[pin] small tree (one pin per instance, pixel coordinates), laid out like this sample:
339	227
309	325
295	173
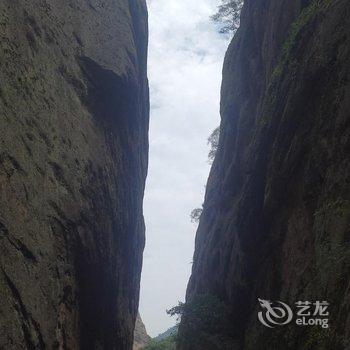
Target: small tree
204	322
196	214
204	310
213	141
228	15
168	343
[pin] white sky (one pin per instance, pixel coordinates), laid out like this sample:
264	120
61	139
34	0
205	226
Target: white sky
185	62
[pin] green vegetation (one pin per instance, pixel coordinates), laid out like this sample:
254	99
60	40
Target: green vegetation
164	344
228	15
205	309
321	339
205	321
213	142
196	214
286	60
297	26
332	253
338	207
164	341
169	332
303	19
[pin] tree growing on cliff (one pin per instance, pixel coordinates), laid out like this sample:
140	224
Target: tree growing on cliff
228	15
168	343
213	142
196	214
204	321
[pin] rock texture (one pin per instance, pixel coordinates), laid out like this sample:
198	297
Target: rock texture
73	161
276	216
141	338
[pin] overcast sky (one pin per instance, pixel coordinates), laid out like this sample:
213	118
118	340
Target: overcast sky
185	63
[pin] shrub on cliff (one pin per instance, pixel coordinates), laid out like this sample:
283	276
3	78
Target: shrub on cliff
204	321
228	15
196	214
164	344
213	142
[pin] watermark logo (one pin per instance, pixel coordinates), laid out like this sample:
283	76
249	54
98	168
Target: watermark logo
274	314
307	313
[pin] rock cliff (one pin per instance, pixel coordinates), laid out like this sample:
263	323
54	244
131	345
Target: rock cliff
276	215
73	160
141	338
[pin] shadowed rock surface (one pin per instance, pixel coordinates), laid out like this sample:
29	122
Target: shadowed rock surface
73	160
141	338
276	215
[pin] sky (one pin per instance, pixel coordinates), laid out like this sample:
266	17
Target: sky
185	62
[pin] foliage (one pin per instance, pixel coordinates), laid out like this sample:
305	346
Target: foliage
196	214
324	339
213	141
204	321
206	310
303	19
228	15
287	61
168	343
168	333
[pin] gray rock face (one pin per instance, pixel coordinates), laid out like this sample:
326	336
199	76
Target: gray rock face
141	338
73	159
276	216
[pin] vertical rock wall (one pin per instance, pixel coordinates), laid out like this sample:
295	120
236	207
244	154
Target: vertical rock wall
277	209
73	160
141	338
